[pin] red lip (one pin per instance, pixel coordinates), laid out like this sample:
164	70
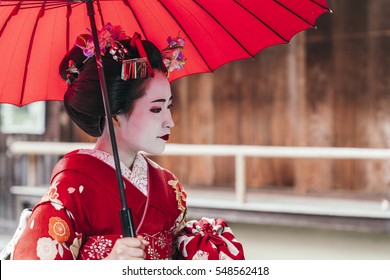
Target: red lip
165	137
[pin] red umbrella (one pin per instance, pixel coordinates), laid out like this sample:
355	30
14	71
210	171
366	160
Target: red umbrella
35	35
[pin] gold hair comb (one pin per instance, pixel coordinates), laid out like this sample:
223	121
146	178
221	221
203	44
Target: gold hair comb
134	68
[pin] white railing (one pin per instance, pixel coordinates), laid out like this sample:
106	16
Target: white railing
239	152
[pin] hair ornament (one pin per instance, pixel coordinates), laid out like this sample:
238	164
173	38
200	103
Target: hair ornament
118	51
136	42
173	57
109	37
134	68
73	72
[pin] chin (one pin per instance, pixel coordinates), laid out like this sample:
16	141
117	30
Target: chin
156	150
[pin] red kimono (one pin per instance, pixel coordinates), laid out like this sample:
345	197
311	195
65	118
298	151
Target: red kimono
78	218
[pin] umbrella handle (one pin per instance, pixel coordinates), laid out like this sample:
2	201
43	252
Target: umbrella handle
125	213
127	224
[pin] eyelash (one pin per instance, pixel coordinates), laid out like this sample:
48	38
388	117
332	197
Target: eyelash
155	110
158	110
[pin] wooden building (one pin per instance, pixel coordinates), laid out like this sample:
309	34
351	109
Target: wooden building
328	87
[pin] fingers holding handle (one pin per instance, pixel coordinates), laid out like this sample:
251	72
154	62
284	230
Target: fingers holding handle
129	248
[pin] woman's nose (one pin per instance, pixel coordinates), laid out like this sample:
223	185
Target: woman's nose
168	121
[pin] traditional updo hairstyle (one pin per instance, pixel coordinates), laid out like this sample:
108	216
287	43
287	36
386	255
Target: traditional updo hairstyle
83	100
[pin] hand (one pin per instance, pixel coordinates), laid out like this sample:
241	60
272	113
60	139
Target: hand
128	248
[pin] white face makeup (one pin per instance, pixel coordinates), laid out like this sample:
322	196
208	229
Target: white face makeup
150	122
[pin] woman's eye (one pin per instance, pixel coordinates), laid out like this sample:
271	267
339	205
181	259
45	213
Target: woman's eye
170	106
155	110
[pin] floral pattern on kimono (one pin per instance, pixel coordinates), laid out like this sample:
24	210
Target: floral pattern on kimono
78	217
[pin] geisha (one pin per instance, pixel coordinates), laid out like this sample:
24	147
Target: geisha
78	217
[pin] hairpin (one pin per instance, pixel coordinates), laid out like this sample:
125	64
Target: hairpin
135	68
118	51
73	72
136	42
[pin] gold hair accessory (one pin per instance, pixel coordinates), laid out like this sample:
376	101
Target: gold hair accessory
134	68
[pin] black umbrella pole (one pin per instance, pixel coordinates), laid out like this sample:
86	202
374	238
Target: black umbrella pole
128	229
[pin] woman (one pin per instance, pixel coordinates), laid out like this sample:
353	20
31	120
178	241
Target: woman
79	218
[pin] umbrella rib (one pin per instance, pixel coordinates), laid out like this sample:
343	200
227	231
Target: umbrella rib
100	12
69	7
187	36
227	31
126	3
322	6
27	5
36	5
55	6
295	14
39	16
68	14
13	13
265	24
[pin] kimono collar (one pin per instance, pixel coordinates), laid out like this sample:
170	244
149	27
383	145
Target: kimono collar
138	176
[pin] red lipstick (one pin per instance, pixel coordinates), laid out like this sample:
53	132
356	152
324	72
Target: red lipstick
165	137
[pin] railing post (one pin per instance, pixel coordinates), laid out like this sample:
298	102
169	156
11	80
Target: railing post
240	187
32	170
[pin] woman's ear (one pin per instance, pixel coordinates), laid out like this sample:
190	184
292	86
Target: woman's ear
115	121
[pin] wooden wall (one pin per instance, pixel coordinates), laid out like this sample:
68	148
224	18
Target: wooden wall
328	87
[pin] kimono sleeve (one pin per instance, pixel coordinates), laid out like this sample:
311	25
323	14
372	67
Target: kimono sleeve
49	235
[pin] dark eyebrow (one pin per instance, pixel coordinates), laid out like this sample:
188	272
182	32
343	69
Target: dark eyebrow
162	100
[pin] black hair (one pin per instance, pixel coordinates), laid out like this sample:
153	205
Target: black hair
83	99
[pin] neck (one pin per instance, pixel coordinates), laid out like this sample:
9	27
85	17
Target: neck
103	143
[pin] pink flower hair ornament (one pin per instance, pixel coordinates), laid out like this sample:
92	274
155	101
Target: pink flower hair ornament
109	37
173	57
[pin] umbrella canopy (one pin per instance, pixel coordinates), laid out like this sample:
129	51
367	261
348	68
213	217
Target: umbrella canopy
34	35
